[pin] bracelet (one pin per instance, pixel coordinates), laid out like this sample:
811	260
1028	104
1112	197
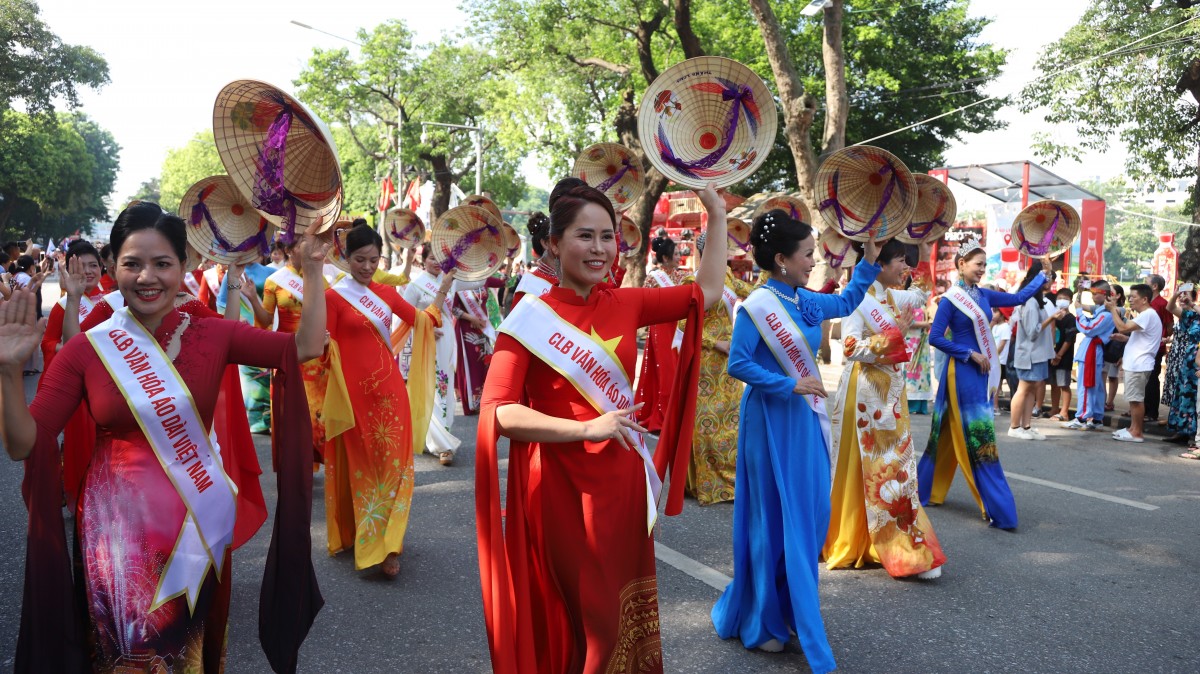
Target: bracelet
234	286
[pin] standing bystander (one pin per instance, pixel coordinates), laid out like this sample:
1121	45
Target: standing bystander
1145	337
1154	383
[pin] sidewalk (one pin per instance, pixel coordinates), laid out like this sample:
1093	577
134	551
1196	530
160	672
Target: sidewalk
831	375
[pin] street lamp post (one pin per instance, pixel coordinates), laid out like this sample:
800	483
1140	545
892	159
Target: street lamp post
478	148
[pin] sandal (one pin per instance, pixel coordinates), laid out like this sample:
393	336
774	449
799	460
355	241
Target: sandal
1057	417
446	458
1193	453
390	566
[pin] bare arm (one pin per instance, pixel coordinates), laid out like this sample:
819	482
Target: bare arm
711	274
310	336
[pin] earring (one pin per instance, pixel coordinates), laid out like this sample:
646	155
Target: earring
783	270
558	267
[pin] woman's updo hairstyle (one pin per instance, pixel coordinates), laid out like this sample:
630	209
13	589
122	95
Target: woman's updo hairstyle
566	203
664	247
426	251
141	215
539	232
775	232
888	250
361	236
80	247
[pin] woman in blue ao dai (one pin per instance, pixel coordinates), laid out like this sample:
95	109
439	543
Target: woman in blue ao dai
963	431
781	502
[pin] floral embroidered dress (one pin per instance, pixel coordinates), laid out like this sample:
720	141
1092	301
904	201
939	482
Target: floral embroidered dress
781	509
713	466
368	431
439	438
279	299
658	366
964	431
130	516
1180	390
918	372
876	515
474	347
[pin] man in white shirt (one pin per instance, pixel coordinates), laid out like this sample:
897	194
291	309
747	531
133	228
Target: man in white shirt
1145	335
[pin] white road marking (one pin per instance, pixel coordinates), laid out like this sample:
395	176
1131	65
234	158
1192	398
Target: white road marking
1082	492
705	574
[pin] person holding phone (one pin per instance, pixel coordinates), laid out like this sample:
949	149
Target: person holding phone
1066	332
1179	391
1145	335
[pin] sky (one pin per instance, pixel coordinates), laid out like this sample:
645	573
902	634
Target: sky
168	60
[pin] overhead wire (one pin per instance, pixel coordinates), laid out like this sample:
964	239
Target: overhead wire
1054	73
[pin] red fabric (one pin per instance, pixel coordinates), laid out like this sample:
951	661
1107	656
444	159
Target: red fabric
233	435
51	638
107	283
657	378
1089	361
560	566
1168	321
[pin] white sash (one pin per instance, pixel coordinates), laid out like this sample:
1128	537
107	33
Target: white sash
790	348
212	279
368	304
532	284
592	370
85	306
731	300
471	302
193	286
290	281
876	315
115	300
166	412
983	333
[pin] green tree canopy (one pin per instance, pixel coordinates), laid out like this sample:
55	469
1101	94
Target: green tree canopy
395	85
36	67
149	190
56	178
185	165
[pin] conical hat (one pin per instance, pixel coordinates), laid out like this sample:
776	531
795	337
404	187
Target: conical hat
194	259
934	213
739	237
222	225
484	203
403	228
279	154
469	239
612	169
864	189
837	250
630	236
1045	228
793	206
707	119
337	233
512	240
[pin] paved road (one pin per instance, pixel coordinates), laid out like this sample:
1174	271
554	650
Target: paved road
1087	584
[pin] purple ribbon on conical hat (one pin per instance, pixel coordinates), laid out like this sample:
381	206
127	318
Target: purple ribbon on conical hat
616	177
1042	247
835	260
412	224
460	246
742	97
200	212
892	183
270	195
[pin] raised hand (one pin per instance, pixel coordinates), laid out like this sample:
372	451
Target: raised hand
711	199
20	331
70	276
871	248
926	250
618	425
312	250
447	281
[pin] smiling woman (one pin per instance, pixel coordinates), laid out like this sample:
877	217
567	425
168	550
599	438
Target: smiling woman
569	582
159	508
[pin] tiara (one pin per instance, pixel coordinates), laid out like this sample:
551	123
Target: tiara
969	245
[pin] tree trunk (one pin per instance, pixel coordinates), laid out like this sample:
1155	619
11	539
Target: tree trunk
643	209
1189	259
837	103
798	106
443	178
683	28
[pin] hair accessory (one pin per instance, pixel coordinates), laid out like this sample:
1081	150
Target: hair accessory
968	246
